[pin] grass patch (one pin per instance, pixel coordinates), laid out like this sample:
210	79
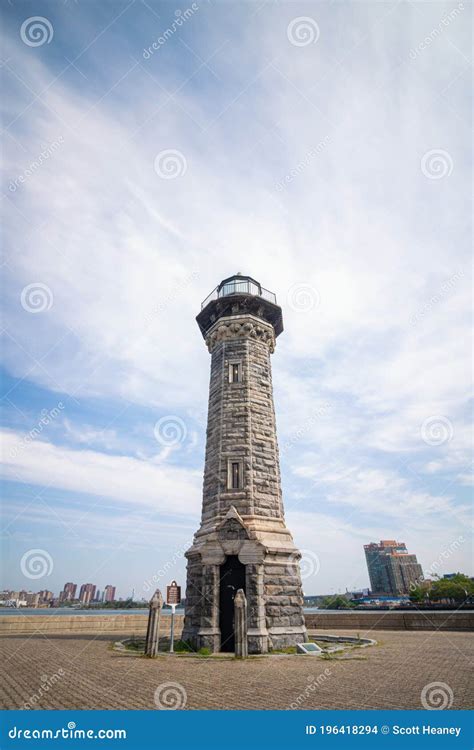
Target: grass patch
135	646
183	647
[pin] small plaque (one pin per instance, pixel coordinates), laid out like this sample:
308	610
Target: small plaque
310	649
173	593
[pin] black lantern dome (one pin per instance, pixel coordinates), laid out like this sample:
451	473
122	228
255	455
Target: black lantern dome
236	295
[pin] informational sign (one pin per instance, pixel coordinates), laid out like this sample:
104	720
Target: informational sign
173	593
173	597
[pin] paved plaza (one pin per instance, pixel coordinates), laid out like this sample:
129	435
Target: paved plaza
85	673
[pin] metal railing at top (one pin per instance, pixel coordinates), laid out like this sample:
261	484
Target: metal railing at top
239	287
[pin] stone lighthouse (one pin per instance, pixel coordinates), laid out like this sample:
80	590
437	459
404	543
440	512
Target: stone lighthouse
243	541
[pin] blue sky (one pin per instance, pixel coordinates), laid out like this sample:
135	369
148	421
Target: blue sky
322	148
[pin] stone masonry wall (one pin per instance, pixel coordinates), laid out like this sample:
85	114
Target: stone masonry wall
283	596
193	596
241	426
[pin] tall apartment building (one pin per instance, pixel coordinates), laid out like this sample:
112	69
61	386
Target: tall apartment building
28	598
109	593
391	568
32	599
87	593
45	595
68	594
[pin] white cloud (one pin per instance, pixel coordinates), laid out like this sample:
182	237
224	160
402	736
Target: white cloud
88	435
385	492
165	488
115	240
129	256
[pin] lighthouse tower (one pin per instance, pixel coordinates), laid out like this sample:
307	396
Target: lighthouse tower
243	541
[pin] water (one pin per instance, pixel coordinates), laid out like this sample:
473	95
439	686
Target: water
14	611
111	612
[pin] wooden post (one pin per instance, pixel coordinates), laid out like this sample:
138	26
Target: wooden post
153	628
240	625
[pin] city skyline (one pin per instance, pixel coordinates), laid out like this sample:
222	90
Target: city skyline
69	590
438	569
316	177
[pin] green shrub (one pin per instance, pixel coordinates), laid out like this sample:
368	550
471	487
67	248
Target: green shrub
182	647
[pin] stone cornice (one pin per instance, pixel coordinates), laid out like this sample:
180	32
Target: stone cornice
241	327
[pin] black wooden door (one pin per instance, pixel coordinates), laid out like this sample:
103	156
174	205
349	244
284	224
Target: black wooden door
232	578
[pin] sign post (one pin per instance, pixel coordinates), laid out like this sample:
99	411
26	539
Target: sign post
173	597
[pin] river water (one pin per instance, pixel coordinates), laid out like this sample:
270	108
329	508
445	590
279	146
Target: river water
50	611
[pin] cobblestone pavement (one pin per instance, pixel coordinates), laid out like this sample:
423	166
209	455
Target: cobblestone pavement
84	673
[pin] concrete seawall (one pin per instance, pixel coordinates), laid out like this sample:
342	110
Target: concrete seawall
75	625
111	625
390	620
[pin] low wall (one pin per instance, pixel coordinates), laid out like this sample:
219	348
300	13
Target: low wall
390	620
110	625
84	624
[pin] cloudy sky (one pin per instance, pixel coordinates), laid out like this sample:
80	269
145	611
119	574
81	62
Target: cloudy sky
152	149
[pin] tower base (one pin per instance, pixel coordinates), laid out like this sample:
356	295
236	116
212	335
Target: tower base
265	563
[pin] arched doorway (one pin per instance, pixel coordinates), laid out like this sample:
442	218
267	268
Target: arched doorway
232	578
